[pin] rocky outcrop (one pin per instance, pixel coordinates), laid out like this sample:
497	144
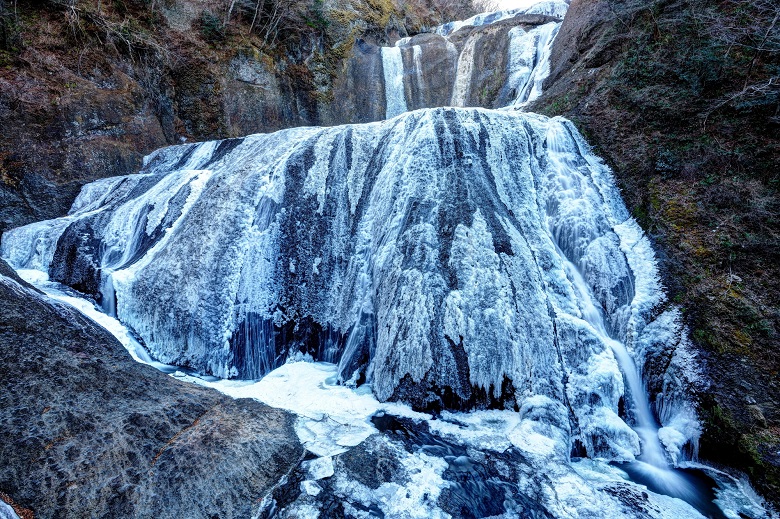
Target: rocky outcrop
88	432
690	126
472	60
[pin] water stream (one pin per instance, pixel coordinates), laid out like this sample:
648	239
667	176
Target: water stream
393	67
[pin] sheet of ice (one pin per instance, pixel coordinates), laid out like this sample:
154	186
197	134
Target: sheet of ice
332	417
319	468
311	488
6	512
40	280
417	498
529	61
734	496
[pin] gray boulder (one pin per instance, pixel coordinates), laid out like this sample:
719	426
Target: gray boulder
88	432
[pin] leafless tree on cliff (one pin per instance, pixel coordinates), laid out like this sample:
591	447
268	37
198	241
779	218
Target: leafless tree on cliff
273	14
750	29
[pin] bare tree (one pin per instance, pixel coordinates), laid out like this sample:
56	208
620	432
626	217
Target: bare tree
229	13
752	27
273	14
748	32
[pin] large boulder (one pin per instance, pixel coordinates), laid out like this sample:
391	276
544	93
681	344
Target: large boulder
88	432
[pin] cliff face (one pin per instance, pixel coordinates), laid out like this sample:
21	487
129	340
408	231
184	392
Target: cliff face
681	98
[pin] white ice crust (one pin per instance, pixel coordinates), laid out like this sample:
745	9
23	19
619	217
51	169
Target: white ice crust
518	252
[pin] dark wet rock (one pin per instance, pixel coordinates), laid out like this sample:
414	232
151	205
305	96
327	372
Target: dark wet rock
359	92
480	483
372	463
87	432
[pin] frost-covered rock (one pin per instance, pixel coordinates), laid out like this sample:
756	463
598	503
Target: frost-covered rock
552	8
6	512
430	70
436	255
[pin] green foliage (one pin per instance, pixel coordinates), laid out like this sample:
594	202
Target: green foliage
705	338
559	106
316	19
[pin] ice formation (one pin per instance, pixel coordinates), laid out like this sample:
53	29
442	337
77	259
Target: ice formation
393	67
450	257
439	69
529	61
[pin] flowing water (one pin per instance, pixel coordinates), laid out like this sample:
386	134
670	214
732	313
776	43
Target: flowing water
393	66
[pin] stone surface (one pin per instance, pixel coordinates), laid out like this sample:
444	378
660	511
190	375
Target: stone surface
88	432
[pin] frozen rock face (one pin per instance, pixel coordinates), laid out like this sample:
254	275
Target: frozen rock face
554	8
453	258
493	65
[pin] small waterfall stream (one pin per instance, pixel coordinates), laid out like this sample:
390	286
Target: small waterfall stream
652	462
393	66
652	466
465	70
529	61
448	61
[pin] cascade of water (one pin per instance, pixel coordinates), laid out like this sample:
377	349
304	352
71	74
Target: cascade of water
575	246
553	8
418	67
462	88
529	61
393	67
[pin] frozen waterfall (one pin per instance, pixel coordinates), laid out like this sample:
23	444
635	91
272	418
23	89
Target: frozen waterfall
447	67
430	255
450	259
393	67
529	61
553	8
